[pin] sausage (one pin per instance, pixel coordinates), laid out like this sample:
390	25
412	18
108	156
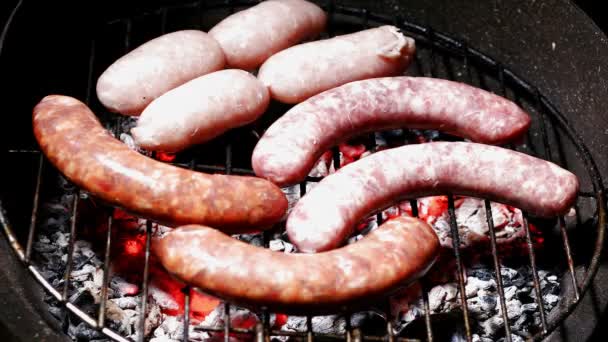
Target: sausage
74	141
295	74
200	110
391	256
290	147
249	37
325	217
134	80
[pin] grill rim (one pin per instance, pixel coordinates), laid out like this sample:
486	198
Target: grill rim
366	15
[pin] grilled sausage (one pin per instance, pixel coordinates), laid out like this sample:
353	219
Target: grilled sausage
161	64
201	110
393	255
73	140
291	146
249	37
323	218
302	71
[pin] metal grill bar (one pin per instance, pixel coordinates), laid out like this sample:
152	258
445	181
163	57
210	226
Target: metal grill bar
427	310
535	278
144	296
68	266
106	275
186	291
564	234
90	72
496	259
33	220
226	322
459	267
309	333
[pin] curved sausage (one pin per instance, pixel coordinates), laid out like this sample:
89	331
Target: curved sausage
389	257
295	74
161	64
291	146
200	110
325	217
73	140
249	37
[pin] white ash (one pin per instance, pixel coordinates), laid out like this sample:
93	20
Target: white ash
470	219
293	194
163	299
473	227
86	277
281	246
483	300
331	324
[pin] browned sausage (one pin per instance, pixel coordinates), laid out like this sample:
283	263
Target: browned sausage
73	140
326	216
393	255
292	145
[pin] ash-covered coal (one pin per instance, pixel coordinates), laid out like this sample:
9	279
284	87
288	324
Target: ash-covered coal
483	301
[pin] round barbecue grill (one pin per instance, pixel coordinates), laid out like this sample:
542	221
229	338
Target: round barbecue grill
439	54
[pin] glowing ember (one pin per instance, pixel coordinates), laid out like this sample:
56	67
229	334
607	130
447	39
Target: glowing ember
350	153
200	305
133	247
280	320
165	157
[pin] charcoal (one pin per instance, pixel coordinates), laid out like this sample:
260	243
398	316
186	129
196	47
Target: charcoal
550	300
475	284
162	298
333	324
481	273
122	287
126	302
524	296
530	307
492	325
57	312
477	338
480	308
281	246
551	288
83	332
253	239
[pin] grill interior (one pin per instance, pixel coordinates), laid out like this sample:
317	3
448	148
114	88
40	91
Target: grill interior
438	55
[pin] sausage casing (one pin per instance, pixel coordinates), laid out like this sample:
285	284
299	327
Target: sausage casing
200	110
396	253
137	78
326	216
304	70
291	146
73	140
250	36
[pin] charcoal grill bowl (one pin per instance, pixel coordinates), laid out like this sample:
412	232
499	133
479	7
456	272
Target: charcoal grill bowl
59	45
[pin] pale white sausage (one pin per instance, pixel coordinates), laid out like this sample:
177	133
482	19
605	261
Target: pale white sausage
249	37
159	65
295	74
200	110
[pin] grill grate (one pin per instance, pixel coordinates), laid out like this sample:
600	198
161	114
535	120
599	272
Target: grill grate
435	45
